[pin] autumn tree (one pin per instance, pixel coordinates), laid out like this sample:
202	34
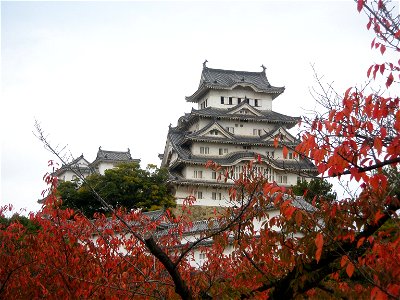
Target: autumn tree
268	244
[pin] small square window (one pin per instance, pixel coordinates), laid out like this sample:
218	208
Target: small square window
222	100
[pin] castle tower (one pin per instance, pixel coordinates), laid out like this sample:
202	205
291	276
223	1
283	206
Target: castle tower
233	123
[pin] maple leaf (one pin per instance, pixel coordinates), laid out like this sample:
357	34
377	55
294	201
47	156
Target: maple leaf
389	80
360	5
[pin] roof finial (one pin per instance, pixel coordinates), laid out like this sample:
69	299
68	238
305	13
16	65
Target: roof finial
99	147
204	64
129	150
263	67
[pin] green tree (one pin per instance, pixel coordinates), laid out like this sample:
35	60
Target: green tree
316	188
126	186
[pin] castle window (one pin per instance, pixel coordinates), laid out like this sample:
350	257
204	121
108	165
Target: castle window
230	100
236	125
222	100
270	154
256	102
247	147
257	132
216	196
214	132
282	179
202	256
214	175
199	195
222	151
204	150
290	155
239	100
230	129
198	174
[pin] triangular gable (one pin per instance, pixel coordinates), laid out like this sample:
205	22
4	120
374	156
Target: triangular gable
216	130
245	109
81	162
285	136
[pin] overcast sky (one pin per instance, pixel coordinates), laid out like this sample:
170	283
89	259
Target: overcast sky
116	74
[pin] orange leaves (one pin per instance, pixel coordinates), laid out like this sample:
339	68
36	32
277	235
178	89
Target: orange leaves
285	152
319	242
350	269
360	242
377	294
349	265
378	145
298	217
378	216
276	141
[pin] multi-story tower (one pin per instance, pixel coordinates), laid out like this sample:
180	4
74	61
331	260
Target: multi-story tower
234	123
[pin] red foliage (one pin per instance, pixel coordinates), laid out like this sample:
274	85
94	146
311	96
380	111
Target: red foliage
266	243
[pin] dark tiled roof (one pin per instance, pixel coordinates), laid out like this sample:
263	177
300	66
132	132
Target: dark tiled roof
177	138
265	116
268	116
75	166
229	79
265	139
113	156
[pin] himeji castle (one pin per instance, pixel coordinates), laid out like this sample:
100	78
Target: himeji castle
234	122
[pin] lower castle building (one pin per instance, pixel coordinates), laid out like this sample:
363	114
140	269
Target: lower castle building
105	160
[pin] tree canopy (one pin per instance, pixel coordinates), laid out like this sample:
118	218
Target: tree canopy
126	186
314	190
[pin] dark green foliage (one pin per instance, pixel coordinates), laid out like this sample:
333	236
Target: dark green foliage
31	226
393	176
127	186
315	188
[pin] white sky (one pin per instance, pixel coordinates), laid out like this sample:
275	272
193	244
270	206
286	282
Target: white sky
115	74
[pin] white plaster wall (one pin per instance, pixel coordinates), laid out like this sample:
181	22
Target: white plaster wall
105	166
197	262
214	98
183	192
246	128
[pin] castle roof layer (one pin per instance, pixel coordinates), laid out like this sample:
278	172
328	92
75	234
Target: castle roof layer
178	138
113	156
230	79
79	164
234	113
